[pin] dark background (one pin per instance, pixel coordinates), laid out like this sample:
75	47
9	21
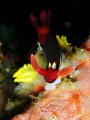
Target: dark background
16	30
17	14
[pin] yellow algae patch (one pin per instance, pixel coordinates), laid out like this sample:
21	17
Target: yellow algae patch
62	41
25	74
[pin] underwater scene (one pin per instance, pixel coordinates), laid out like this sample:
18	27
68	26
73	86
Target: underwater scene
47	76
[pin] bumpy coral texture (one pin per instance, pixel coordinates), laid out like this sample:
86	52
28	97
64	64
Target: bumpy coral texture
64	103
58	104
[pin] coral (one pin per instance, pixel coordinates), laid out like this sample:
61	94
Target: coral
59	103
83	78
70	99
31	81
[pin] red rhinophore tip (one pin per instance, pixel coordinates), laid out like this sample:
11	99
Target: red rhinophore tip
34	20
49	17
45	19
66	71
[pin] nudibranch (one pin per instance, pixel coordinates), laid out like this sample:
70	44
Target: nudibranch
50	49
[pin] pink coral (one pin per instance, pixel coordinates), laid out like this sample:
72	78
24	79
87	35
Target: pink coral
63	104
59	104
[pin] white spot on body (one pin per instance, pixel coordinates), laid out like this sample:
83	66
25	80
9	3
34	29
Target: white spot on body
54	65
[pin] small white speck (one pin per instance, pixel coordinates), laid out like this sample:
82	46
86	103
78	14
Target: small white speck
82	49
17	88
50	86
54	65
7	69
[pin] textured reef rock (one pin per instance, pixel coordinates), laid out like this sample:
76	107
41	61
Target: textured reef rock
70	100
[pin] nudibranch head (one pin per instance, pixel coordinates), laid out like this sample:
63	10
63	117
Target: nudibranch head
51	74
